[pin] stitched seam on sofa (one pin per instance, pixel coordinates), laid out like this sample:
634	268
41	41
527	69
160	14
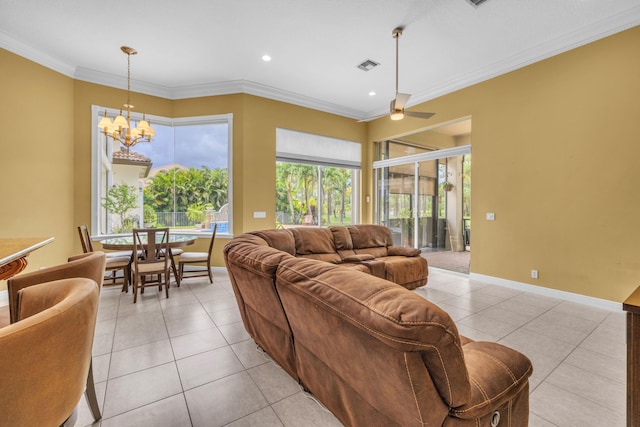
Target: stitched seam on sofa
499	362
482	391
383	290
444	369
413	390
507	390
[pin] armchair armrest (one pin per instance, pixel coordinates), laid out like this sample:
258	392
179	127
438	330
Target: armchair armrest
496	374
400	251
358	258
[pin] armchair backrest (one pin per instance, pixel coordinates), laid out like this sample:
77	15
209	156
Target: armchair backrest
46	354
90	266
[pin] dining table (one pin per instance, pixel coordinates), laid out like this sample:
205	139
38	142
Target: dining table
124	243
14	253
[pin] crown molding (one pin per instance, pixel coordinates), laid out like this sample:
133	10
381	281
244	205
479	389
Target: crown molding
607	27
24	50
215	89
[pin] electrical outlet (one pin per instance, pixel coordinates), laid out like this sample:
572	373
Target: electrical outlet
534	274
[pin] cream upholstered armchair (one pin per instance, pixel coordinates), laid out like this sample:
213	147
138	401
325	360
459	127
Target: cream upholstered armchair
90	266
45	356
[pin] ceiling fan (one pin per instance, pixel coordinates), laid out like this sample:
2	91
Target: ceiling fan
396	110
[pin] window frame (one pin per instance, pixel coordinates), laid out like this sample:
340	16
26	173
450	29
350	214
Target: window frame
101	156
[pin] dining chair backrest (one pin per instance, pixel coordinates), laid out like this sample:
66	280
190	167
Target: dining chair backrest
213	237
85	239
152	244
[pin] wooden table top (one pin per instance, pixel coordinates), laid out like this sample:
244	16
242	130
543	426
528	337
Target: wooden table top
632	303
13	248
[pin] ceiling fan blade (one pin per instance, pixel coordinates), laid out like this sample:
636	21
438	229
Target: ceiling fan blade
419	114
401	100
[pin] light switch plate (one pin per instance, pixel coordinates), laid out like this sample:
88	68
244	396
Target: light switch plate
491	216
259	214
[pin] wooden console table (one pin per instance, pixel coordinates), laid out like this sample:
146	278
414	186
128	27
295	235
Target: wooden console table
632	306
14	252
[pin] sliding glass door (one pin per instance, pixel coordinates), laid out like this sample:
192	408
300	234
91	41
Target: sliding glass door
420	198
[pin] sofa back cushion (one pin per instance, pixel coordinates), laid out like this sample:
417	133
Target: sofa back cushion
315	243
370	239
278	239
398	323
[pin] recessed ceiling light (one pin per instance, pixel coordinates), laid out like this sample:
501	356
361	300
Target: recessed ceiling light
372	93
266	58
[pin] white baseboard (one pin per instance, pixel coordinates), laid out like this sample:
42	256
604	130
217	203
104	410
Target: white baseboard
553	293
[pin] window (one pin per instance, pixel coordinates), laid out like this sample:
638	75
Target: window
179	180
316	179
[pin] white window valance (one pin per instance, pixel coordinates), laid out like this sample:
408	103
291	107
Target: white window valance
301	147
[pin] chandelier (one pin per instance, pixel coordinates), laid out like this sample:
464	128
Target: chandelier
120	129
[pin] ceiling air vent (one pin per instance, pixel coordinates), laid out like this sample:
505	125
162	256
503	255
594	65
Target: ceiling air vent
476	3
368	65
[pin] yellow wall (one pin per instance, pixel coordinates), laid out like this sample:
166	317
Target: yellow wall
543	160
36	157
556	150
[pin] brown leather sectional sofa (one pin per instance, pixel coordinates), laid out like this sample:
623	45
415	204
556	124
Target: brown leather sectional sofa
367	248
374	353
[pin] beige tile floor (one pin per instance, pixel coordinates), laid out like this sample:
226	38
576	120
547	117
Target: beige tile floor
187	360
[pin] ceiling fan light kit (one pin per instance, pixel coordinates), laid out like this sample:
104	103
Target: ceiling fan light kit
396	107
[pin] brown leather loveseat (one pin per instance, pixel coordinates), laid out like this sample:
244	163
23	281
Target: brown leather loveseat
366	247
374	353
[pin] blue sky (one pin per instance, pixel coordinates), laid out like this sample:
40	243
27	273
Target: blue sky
195	146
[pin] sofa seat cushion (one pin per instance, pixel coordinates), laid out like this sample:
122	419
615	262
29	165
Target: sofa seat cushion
497	375
410	272
355	267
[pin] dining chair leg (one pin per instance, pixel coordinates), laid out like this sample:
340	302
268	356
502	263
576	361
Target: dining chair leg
135	290
174	269
90	394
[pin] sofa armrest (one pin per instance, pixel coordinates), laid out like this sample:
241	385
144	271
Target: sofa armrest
400	251
496	374
358	258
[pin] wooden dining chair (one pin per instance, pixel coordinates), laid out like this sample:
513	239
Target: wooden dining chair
116	261
198	258
151	268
